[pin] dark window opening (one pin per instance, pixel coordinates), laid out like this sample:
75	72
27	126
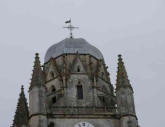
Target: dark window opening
79	92
102	74
52	75
51	124
78	68
53	89
53	100
103	100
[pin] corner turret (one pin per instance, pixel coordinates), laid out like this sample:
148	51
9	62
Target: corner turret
37	75
124	97
37	97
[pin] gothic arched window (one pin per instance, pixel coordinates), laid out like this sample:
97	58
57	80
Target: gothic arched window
52	74
54	100
53	89
78	68
102	98
102	74
79	91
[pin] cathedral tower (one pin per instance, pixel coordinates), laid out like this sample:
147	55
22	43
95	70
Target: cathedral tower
73	89
78	84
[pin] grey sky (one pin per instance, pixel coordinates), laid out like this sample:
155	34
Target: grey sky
134	28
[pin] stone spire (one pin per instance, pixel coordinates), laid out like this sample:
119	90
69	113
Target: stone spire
122	77
22	113
124	97
37	75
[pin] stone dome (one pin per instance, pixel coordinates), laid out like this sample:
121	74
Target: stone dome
72	46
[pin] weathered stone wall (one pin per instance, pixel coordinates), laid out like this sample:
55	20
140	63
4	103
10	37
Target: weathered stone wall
128	121
125	101
65	67
34	101
99	101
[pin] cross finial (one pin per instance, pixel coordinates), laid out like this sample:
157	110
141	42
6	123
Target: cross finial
70	27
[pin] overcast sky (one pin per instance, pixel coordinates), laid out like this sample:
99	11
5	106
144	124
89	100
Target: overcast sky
134	28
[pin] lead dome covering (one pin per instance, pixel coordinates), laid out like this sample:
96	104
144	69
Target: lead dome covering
72	46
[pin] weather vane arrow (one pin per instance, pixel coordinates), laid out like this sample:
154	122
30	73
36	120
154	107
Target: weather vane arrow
70	27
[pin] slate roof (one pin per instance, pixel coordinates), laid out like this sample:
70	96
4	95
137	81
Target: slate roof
71	46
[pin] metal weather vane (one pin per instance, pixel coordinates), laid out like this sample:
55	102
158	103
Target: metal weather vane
70	27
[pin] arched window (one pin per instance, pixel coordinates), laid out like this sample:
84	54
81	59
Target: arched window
78	68
54	100
52	74
53	89
103	99
79	91
51	124
102	74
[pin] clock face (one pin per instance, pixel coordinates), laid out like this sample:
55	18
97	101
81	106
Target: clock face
83	124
